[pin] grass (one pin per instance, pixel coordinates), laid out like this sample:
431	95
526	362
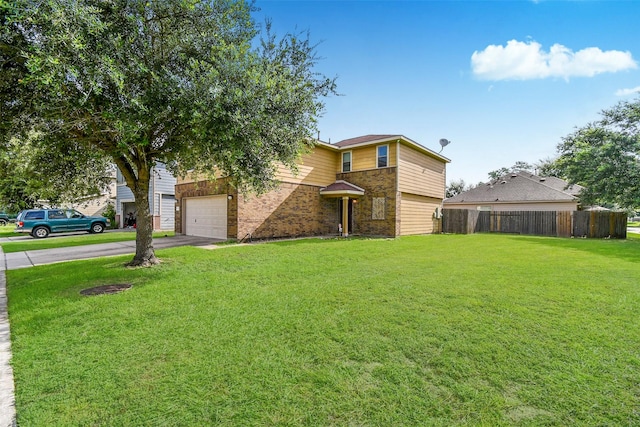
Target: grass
633	224
61	241
431	330
7	230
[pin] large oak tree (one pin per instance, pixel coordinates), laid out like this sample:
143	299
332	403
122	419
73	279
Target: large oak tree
604	157
197	85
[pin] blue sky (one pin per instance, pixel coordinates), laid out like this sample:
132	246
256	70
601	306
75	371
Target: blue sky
503	80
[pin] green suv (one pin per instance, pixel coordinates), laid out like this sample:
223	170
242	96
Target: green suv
41	222
4	219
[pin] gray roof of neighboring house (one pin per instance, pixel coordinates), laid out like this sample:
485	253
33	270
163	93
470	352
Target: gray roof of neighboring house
520	187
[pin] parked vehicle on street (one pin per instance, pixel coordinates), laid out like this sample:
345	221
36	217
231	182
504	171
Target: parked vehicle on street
39	223
4	219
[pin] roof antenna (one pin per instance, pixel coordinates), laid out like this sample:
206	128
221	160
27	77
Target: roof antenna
443	143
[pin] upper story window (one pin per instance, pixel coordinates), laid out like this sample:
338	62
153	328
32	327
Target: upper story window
346	161
383	156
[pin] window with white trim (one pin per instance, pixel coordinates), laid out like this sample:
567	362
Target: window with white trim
383	156
346	161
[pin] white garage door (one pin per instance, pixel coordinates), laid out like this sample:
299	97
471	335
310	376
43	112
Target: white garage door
206	217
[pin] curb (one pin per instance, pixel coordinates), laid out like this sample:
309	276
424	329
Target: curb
7	391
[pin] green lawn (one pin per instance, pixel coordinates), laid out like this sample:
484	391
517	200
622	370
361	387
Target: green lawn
422	331
7	230
61	241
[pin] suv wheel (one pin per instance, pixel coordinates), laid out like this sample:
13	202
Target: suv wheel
40	232
97	228
3	222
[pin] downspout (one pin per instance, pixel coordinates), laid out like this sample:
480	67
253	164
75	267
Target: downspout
153	194
160	207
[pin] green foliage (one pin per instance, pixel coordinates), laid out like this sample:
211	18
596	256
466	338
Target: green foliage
31	171
518	166
548	167
604	157
110	213
456	187
421	331
179	82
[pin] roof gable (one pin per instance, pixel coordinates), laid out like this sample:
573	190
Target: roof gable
387	138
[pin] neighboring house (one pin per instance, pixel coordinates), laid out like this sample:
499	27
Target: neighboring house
161	199
521	191
375	185
96	205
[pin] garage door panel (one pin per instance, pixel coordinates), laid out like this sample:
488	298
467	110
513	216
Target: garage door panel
206	217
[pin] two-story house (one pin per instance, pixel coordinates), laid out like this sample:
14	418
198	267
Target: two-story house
375	185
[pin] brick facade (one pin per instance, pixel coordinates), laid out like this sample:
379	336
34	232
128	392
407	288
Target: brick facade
292	210
299	210
377	183
203	189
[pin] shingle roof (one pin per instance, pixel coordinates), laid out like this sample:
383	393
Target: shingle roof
519	187
365	138
558	184
341	186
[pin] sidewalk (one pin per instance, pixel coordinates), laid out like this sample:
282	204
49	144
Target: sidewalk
26	259
12	261
7	401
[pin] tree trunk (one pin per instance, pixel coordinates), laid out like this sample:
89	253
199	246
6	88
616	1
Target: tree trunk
145	254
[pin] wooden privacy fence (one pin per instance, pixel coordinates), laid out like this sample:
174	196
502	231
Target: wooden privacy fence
539	223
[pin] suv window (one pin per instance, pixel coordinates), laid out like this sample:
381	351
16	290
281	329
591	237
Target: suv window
57	215
74	214
34	215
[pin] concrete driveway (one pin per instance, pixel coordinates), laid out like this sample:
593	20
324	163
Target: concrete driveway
15	260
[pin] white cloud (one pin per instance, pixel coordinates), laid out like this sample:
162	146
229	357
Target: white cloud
527	60
626	92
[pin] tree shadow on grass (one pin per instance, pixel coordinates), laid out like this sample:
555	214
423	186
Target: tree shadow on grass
628	250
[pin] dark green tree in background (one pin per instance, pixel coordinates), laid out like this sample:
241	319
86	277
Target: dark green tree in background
197	85
604	157
518	166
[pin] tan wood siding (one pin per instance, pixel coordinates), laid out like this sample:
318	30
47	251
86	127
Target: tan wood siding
416	214
420	174
365	158
315	168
